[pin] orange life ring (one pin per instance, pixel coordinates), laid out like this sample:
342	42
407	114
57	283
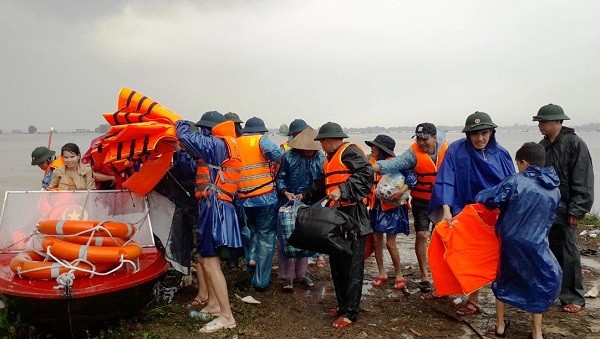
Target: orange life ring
30	264
65	227
97	255
96	241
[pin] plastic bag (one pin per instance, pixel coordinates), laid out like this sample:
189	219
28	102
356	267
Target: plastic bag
388	185
286	223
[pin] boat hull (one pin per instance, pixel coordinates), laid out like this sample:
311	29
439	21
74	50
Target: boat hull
89	300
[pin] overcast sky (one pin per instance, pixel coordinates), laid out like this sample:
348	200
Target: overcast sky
359	63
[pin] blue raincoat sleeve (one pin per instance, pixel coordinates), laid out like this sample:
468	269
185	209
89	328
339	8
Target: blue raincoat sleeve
529	276
217	222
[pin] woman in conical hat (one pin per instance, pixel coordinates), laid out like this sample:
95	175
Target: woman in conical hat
300	166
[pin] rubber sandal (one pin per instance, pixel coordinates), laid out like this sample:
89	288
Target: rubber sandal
466	310
531	336
503	334
215	326
198	302
400	284
588	252
573	308
342	322
306	281
425	287
379	281
288	285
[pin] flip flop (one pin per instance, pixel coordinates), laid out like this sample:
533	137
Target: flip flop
198	302
306	281
465	309
425	287
342	322
573	308
215	326
503	334
379	281
588	252
288	285
400	284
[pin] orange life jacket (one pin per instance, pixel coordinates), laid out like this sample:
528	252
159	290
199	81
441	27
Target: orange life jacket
372	198
464	257
426	170
54	164
257	175
135	107
336	172
228	175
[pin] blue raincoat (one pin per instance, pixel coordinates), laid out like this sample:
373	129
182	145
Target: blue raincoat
217	222
465	171
297	173
529	276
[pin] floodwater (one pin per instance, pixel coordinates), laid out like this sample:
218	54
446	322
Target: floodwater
17	174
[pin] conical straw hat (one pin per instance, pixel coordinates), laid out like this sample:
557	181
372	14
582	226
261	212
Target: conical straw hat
305	140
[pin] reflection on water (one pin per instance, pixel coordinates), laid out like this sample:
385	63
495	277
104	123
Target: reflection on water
18	174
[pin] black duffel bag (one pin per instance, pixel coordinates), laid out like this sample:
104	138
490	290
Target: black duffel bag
324	230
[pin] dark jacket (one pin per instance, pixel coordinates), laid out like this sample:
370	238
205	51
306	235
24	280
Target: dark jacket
355	189
571	159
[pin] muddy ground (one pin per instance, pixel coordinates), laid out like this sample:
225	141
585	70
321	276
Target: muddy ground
385	312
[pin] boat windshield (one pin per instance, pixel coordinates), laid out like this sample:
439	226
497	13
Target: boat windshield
22	210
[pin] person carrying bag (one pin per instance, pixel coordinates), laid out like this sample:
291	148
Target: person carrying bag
287	225
324	229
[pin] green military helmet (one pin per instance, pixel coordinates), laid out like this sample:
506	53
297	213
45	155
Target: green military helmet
297	126
478	121
210	119
233	117
550	112
41	154
255	125
330	130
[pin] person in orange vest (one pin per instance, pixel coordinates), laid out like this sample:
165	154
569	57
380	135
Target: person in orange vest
236	253
257	194
237	121
347	183
217	175
47	160
389	217
296	126
424	157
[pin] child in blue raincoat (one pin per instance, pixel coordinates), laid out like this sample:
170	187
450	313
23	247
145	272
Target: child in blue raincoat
529	276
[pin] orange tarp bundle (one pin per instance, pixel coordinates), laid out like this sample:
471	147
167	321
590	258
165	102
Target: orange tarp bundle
137	144
465	257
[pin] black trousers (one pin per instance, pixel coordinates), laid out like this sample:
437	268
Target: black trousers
347	273
564	244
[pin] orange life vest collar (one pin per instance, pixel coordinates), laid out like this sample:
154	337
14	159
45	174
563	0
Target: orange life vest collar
426	170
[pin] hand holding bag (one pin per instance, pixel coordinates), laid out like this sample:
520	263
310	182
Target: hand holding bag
324	230
286	218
